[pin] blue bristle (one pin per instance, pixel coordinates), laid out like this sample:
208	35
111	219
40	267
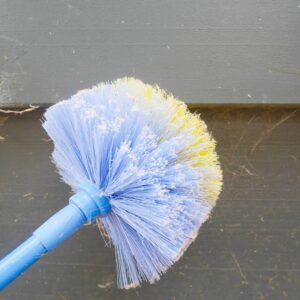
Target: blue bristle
136	155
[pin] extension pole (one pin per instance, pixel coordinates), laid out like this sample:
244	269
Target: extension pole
83	207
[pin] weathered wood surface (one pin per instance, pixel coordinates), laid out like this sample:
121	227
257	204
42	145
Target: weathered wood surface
205	51
249	249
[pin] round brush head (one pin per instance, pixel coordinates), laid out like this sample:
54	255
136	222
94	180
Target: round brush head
155	161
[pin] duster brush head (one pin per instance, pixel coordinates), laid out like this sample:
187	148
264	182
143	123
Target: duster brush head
151	157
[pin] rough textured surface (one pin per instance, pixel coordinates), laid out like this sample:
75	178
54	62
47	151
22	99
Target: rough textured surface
249	249
202	50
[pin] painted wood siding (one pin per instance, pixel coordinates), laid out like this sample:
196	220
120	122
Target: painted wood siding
204	51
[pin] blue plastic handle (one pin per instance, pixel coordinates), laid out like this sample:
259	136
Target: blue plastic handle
83	207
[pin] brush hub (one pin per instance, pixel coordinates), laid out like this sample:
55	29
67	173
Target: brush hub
92	204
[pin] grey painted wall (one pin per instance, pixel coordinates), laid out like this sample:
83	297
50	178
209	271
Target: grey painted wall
204	51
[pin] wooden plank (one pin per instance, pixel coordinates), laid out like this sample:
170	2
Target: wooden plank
248	249
201	50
